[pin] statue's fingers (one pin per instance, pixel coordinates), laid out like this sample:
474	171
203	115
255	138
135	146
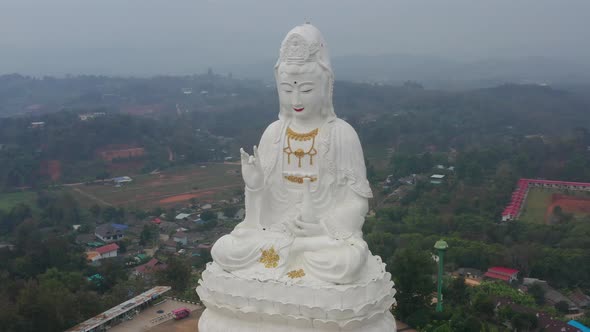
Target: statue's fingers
255	149
250	159
257	158
244	155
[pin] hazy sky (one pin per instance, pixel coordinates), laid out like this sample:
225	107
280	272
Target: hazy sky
162	35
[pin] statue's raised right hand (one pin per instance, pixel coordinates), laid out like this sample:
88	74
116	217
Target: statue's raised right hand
252	169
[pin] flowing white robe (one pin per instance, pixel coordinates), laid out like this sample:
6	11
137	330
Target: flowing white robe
340	202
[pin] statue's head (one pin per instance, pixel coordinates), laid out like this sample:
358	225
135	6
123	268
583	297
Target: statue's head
304	76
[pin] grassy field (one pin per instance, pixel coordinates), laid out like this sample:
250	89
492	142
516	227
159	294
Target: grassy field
168	188
536	205
539	200
8	200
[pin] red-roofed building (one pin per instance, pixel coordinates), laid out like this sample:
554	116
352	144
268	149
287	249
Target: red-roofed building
110	250
205	246
150	267
92	256
501	273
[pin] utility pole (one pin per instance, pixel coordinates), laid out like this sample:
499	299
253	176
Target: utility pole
440	246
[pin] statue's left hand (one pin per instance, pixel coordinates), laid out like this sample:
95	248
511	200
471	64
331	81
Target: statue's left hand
252	172
301	228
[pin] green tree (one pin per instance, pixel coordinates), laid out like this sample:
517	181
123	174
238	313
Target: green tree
484	305
562	307
208	215
524	321
177	273
456	290
381	244
412	270
230	211
148	235
538	293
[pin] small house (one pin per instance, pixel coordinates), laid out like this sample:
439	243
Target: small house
502	273
182	216
180	237
437	178
92	256
121	179
169	246
107	251
109	232
205	246
149	268
580	299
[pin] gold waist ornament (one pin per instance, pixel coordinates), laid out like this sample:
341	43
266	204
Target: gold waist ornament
299	179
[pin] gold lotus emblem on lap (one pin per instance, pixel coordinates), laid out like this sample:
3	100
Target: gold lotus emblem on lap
296	274
270	258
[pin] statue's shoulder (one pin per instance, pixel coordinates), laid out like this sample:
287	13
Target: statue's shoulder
271	134
344	130
273	130
275	126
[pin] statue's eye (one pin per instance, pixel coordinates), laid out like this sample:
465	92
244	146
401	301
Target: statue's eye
306	91
288	91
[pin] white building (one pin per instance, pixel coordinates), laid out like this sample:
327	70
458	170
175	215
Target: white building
437	178
182	216
108	251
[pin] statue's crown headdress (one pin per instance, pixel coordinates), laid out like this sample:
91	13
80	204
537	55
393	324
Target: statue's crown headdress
305	43
296	49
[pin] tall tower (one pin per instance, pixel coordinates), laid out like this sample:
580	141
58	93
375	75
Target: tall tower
440	246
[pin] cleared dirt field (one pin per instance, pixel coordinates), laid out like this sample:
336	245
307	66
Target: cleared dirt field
168	188
539	204
579	206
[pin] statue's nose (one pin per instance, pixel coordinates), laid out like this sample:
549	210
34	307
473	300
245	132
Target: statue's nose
295	100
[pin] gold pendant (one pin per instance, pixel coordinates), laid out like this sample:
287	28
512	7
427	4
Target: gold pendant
300	153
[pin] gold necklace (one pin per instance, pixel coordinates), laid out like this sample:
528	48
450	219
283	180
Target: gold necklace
300	153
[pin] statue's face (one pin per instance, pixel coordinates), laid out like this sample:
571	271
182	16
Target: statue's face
302	89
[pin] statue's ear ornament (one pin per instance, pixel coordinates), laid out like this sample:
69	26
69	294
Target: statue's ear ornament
296	49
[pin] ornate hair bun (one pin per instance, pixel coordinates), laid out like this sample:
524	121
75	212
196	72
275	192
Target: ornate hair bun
296	49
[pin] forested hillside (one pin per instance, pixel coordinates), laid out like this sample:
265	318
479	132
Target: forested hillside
80	129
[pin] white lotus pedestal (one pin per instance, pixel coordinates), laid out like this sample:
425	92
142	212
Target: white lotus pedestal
296	304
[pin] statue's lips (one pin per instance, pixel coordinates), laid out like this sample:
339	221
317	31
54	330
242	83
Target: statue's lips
298	109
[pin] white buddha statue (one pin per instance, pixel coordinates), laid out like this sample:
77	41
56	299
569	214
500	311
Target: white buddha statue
306	185
306	199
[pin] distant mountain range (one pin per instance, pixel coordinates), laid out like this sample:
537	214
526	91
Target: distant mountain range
431	71
440	72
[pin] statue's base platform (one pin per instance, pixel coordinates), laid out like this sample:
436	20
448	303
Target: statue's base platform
296	305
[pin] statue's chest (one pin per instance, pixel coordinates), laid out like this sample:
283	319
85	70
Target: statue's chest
300	157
